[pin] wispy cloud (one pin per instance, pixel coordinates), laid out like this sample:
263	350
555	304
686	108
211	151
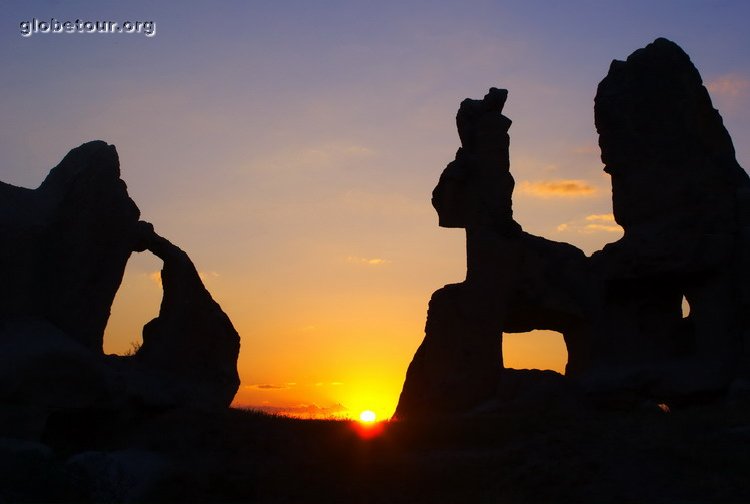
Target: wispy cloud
374	261
155	276
585	149
289	385
333	152
382	204
601	217
316	157
266	386
562	188
593	228
593	223
729	85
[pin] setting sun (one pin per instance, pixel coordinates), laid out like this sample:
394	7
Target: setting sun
367	416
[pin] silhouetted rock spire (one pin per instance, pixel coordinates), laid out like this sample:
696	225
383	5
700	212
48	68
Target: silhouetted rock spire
515	282
475	190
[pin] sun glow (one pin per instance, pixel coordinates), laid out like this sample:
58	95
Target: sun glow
367	416
368	428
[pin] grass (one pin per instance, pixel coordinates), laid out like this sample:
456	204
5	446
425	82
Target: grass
535	455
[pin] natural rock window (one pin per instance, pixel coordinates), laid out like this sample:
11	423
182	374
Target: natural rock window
535	350
136	302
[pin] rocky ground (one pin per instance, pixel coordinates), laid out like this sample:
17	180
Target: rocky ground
626	453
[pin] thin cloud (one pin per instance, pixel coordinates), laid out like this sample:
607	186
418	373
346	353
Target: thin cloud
266	386
593	223
601	217
585	149
593	228
316	157
324	384
562	188
381	204
358	150
155	276
374	261
332	152
602	222
730	85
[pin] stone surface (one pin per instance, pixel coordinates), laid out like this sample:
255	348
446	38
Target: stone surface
475	189
684	204
192	337
43	366
68	242
679	193
515	281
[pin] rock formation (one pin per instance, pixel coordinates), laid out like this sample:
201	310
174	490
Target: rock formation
684	203
192	338
65	247
515	282
682	199
65	244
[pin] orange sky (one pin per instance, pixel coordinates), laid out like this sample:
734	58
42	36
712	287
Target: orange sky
291	150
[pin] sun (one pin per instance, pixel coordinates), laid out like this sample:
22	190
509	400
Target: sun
367	416
367	428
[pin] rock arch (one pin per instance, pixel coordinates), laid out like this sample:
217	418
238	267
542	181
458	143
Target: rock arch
66	245
192	338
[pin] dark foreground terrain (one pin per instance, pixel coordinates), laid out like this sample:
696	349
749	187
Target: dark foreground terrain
585	454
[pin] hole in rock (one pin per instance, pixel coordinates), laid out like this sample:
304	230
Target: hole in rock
538	349
136	302
685	307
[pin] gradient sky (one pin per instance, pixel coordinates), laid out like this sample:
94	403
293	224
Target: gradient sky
290	147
